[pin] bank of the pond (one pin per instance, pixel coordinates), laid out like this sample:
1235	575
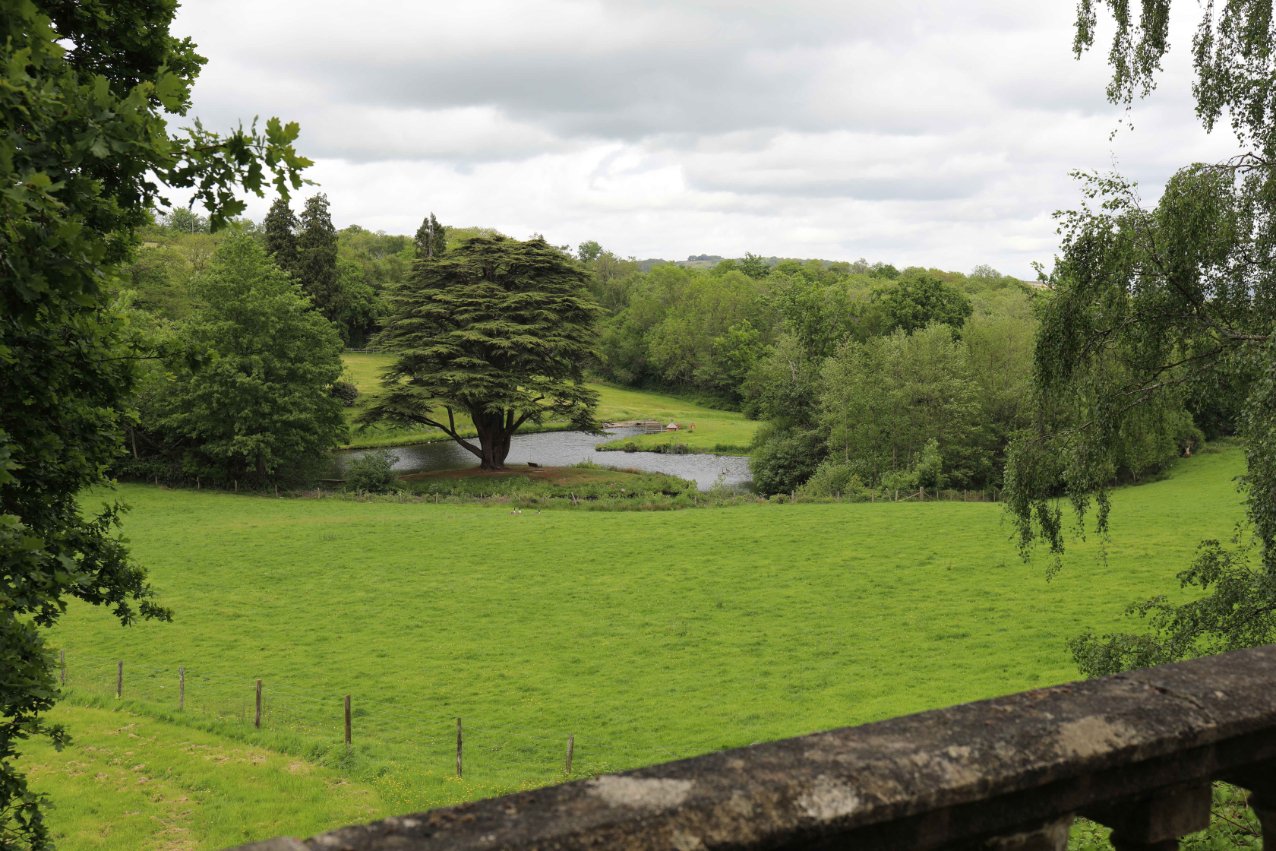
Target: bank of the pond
564	449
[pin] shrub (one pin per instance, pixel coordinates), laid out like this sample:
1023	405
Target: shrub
346	392
783	460
373	472
835	479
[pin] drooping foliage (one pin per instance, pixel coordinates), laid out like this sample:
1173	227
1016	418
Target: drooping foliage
1163	313
496	329
84	152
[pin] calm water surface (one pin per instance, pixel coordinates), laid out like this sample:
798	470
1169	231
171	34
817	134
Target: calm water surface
564	448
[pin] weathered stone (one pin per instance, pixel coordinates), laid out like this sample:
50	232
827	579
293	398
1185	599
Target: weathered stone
1052	836
953	777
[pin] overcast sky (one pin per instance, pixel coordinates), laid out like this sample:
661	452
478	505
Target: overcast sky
915	132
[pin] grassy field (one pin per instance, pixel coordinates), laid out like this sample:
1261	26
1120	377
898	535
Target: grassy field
725	432
647	635
131	781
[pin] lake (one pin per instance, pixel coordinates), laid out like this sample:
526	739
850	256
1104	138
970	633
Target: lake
564	448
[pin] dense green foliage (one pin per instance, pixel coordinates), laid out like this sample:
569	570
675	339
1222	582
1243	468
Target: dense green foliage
760	334
918	301
84	151
279	232
869	403
244	393
629	629
498	330
1162	313
902	412
316	269
430	240
372	472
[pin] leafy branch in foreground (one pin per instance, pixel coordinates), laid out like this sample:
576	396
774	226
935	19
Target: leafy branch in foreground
85	153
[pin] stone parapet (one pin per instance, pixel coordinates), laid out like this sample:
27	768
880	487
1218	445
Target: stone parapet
1137	752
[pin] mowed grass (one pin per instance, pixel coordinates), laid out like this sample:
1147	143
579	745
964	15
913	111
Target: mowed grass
726	432
649	636
701	429
135	782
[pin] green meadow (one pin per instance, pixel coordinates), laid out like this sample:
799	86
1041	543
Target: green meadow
135	781
724	432
646	635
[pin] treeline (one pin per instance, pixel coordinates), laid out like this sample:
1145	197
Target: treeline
345	273
869	379
239	337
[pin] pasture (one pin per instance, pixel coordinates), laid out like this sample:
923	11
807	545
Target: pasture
646	635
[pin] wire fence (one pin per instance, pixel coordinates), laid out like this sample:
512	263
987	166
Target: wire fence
330	723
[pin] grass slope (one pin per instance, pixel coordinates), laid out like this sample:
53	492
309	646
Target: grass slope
649	636
129	781
727	432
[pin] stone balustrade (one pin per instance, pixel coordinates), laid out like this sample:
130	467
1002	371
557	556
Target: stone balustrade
1136	752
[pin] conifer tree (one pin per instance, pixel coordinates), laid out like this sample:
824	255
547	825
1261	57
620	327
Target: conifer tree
497	329
316	268
280	227
430	239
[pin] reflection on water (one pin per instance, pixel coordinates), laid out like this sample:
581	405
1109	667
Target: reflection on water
564	448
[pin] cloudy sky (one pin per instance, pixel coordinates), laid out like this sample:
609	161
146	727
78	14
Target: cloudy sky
916	132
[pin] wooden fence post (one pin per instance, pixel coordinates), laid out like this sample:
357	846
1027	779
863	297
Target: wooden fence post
347	720
458	747
257	716
119	679
571	747
181	688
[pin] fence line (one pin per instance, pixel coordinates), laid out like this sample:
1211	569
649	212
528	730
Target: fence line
420	737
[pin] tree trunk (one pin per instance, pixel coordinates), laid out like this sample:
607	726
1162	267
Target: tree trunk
495	449
494	436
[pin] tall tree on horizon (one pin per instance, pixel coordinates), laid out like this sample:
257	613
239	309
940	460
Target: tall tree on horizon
316	268
430	239
280	229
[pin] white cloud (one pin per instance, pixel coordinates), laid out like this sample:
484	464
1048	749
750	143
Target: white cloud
912	132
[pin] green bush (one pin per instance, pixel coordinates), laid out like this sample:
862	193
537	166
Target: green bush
373	472
836	479
346	391
784	460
